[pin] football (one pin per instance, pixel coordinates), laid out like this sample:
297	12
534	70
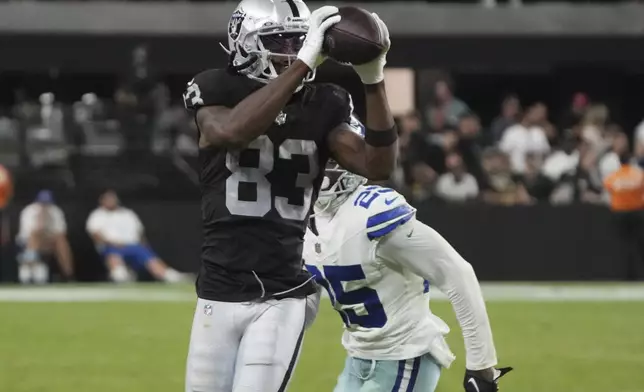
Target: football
355	39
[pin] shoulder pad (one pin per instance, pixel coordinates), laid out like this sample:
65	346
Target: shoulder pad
216	87
340	104
386	210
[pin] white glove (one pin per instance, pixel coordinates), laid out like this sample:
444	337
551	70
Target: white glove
374	71
319	21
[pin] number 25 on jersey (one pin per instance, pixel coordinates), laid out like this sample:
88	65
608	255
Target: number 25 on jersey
359	307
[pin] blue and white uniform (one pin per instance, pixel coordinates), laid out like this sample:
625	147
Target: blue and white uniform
376	261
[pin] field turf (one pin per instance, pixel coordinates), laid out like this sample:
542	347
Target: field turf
121	345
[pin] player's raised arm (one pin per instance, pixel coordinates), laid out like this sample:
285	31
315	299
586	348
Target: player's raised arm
236	127
429	255
373	157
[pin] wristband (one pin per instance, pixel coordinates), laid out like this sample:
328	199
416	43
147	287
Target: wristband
381	138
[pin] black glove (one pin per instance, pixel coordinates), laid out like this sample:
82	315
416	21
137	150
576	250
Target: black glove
474	383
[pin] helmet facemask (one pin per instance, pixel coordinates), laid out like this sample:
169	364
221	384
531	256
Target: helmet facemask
338	184
264	53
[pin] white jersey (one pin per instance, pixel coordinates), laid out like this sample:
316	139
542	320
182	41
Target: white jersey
385	310
377	277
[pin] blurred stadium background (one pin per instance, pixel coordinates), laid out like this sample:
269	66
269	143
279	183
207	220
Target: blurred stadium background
529	104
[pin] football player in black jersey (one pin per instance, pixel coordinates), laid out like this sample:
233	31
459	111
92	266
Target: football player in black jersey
265	135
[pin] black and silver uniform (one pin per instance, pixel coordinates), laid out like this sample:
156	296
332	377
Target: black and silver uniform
256	202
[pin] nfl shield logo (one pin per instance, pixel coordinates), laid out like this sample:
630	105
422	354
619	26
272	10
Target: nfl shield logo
207	310
234	26
318	248
281	119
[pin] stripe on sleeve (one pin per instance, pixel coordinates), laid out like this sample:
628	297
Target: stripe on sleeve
390	215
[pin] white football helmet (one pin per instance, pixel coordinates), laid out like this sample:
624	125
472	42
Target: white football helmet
338	184
266	35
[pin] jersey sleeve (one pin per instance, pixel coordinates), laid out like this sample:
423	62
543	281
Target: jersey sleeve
214	87
386	210
427	254
344	110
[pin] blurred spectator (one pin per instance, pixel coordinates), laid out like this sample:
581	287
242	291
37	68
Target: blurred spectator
436	119
119	237
452	107
408	125
430	149
588	180
593	127
626	189
498	185
424	179
510	113
470	142
533	182
563	161
574	173
639	142
609	162
573	115
43	234
528	136
457	185
51	114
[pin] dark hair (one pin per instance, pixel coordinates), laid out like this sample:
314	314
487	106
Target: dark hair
624	158
510	97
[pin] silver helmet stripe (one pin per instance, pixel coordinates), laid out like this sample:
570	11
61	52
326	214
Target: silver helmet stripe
294	9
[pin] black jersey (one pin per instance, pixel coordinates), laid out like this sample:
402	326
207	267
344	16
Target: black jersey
256	202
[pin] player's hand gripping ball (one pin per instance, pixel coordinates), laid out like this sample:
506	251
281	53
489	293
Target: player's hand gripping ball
357	38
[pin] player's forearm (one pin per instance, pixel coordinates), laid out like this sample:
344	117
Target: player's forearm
381	159
464	292
253	116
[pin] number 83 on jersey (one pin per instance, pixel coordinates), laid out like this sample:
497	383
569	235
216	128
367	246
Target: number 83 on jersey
257	175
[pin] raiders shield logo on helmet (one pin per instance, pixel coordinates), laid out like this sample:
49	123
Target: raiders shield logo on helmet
234	26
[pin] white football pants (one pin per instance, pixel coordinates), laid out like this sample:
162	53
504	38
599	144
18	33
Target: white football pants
244	347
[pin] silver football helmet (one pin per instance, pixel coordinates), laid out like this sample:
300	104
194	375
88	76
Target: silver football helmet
264	37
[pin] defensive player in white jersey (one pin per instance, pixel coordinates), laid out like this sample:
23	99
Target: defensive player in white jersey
376	261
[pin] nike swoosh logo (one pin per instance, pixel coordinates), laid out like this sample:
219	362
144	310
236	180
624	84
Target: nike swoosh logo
410	233
473	382
389	201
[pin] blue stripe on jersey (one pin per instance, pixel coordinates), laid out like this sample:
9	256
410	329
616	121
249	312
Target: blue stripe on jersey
390	227
399	377
414	375
389	215
426	286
